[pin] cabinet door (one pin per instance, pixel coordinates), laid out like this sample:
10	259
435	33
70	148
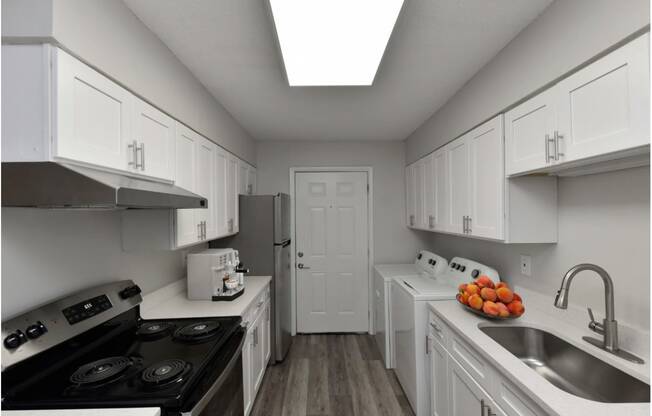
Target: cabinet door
93	115
247	372
205	186
419	191
186	144
458	184
222	199
605	107
232	194
266	337
529	130
154	137
253	177
487	179
429	184
258	363
409	196
465	396
243	173
438	378
440	194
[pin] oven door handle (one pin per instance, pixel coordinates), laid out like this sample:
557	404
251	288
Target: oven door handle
201	404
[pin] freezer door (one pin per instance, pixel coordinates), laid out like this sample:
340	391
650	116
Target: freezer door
281	218
282	330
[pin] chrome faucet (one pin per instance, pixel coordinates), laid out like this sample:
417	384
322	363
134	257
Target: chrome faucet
609	327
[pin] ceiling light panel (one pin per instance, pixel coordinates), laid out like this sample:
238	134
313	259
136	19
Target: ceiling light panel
333	42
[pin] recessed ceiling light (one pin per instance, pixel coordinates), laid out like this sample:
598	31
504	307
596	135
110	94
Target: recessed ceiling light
333	42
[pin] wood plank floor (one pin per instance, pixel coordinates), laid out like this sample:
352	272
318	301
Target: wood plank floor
333	374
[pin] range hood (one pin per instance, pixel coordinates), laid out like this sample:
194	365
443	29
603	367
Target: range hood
63	185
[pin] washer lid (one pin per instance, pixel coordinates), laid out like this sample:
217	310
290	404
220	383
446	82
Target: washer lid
426	286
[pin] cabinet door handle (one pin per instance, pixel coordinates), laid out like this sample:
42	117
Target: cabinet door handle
199	231
431	221
133	147
469	223
435	327
549	157
142	156
464	224
489	412
558	137
411	220
482	407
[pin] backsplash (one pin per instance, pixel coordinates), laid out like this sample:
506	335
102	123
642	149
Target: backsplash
603	219
51	253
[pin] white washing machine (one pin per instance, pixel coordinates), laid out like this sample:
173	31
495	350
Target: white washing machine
409	317
426	263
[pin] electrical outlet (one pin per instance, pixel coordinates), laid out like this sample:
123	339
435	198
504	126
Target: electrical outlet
526	265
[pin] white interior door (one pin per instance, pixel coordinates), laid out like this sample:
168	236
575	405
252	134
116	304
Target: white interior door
331	233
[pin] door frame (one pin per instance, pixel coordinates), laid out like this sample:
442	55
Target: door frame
370	235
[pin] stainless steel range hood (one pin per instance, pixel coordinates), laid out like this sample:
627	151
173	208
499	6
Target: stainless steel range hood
62	185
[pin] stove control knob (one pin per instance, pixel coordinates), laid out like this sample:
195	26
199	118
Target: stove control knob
15	340
462	268
129	292
418	256
475	273
36	330
453	265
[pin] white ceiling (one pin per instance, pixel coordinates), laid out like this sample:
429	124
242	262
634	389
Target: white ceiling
437	45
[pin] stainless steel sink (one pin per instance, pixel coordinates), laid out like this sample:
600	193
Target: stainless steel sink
568	367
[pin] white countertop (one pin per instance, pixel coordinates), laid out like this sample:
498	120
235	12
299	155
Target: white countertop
546	395
171	301
133	411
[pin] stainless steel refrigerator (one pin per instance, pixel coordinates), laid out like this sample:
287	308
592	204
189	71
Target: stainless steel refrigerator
264	245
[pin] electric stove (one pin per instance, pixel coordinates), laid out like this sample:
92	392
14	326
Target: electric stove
118	359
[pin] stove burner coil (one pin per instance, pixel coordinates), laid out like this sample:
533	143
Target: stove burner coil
100	370
197	331
154	329
164	372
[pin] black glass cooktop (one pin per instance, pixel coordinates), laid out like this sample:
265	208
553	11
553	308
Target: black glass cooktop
124	362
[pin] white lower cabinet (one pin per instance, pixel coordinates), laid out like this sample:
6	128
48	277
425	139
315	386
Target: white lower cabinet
456	390
466	397
256	350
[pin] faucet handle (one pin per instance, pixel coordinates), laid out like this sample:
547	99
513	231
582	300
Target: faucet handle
594	325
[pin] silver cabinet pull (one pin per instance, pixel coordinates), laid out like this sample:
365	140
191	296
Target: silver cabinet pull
133	147
558	137
489	412
431	221
199	231
411	220
142	156
550	157
469	223
482	407
230	226
464	218
435	327
139	149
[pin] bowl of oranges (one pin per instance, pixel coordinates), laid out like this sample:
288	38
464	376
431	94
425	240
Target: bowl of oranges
490	300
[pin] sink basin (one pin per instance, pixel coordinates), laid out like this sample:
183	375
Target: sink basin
568	367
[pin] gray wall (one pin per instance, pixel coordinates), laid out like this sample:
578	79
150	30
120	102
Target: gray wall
393	242
50	253
567	34
603	219
107	35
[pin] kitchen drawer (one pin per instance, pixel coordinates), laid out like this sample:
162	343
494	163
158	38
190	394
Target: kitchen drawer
439	330
471	361
257	306
512	400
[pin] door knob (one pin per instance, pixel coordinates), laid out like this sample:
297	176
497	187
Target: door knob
301	266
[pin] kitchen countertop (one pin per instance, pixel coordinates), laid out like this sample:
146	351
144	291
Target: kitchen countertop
133	411
171	301
549	397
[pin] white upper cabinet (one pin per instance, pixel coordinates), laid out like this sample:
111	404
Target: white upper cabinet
466	192
246	179
598	112
252	184
232	187
93	115
487	179
458	207
605	107
151	151
188	228
529	131
409	195
206	186
221	187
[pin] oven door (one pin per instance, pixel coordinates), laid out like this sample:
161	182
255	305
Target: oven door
225	396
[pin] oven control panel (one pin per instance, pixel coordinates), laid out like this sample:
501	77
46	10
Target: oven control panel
86	309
